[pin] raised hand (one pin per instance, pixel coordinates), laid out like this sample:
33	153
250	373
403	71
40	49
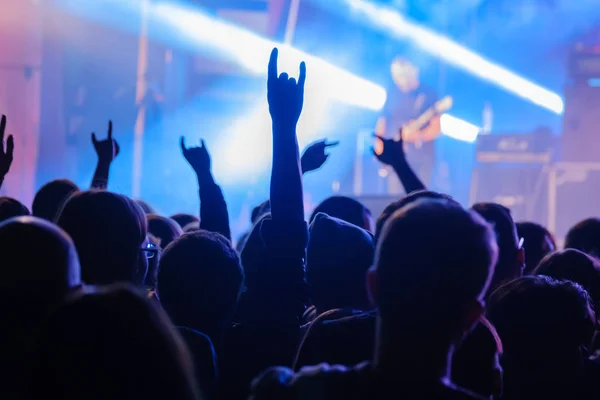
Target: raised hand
197	157
389	151
6	154
314	156
285	96
106	149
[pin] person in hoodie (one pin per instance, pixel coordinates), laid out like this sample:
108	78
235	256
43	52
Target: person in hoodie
339	254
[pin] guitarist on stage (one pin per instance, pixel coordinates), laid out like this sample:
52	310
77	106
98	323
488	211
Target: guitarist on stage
406	101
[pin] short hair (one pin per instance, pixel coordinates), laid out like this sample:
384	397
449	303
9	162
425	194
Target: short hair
51	197
10	208
344	208
585	236
145	206
184	219
108	230
538	242
39	268
536	313
408	199
339	254
575	266
260	210
433	261
164	229
505	231
111	343
200	279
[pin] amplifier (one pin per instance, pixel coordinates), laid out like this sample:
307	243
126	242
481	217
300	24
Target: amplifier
531	148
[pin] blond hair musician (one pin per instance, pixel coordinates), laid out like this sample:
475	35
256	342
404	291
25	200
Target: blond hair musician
408	100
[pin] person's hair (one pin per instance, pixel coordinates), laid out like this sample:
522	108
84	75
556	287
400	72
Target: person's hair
111	343
346	209
39	268
108	230
145	206
575	266
164	229
434	260
51	197
538	242
200	279
499	217
545	326
184	219
585	236
260	210
10	208
339	254
408	199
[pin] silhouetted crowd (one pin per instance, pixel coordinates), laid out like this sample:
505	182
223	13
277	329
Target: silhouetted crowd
103	299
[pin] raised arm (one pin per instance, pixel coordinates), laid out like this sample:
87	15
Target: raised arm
107	150
314	155
391	152
214	216
6	154
286	98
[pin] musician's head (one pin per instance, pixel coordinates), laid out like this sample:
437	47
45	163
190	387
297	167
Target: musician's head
405	74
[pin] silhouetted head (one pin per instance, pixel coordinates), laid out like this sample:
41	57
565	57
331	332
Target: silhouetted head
51	197
260	210
511	257
546	327
410	198
39	268
111	343
538	242
199	281
10	208
145	206
184	219
575	266
164	229
109	231
39	260
339	255
433	264
585	236
346	209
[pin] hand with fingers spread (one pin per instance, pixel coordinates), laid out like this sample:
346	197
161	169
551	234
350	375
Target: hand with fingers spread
197	157
389	151
284	94
314	156
106	149
6	153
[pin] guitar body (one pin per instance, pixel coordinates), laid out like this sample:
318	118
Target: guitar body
416	132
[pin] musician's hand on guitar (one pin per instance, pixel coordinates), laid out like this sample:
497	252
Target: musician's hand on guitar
389	151
314	156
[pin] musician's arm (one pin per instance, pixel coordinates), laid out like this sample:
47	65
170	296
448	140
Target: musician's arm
432	130
381	126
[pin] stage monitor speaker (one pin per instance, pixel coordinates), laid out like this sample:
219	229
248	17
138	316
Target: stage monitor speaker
520	187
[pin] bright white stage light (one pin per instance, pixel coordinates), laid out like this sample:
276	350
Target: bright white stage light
459	129
252	51
450	51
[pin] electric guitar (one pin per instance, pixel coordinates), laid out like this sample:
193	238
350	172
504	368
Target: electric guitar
412	132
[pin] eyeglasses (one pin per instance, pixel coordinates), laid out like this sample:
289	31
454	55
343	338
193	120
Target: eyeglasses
150	250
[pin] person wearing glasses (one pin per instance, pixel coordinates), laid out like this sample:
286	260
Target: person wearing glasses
111	236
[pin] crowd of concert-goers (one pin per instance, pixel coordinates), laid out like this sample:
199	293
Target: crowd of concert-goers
103	299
